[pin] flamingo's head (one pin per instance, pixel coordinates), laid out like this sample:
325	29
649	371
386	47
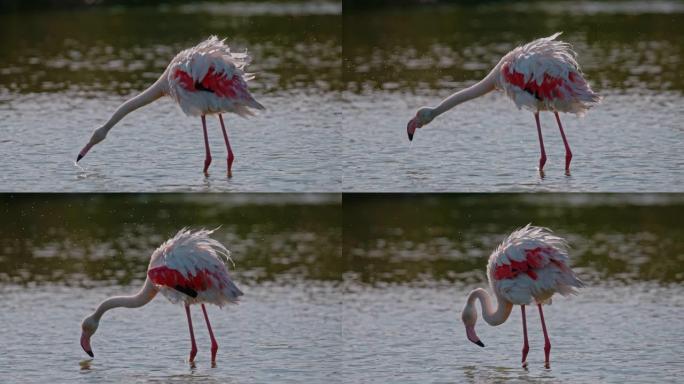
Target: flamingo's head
469	317
98	135
88	328
423	117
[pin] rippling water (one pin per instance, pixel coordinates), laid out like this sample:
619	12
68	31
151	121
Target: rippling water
414	258
62	255
397	59
368	294
63	73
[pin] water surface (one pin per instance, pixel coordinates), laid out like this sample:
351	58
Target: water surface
413	259
62	255
397	59
63	74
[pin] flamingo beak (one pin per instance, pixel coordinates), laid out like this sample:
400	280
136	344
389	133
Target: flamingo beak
85	344
83	152
411	128
472	336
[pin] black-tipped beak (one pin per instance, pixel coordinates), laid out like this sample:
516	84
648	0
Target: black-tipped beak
479	342
411	128
90	353
79	157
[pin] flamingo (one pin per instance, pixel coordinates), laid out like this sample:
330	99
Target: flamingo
542	75
205	79
531	265
189	269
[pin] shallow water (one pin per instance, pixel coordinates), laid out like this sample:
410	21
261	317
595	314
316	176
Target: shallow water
414	258
280	334
413	334
58	262
371	294
63	73
398	59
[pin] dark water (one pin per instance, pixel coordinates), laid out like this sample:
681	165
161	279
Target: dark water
397	59
414	258
62	255
63	73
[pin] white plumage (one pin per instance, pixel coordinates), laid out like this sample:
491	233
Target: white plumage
546	60
195	255
197	61
203	80
529	266
189	268
553	273
542	75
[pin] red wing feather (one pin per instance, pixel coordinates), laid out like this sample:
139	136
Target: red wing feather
172	278
548	89
534	259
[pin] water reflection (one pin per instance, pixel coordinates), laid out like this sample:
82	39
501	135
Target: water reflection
414	238
440	47
85	51
91	240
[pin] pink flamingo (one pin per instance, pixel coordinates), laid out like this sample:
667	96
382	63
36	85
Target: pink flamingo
541	76
205	79
188	268
531	265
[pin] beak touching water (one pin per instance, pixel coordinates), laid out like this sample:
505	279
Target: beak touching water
470	332
411	128
85	344
83	152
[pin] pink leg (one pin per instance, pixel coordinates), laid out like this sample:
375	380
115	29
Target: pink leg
542	159
230	151
526	345
547	341
568	153
214	344
193	350
207	152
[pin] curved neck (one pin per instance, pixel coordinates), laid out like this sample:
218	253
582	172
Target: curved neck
155	91
493	315
144	296
480	88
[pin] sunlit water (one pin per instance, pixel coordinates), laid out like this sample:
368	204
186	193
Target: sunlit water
58	262
288	334
413	260
413	334
371	295
399	59
63	74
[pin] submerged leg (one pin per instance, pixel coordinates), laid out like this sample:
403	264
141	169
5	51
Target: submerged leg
193	350
214	344
542	158
526	345
568	153
230	151
547	341
207	152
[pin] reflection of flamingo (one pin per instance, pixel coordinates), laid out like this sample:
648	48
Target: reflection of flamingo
529	266
541	76
205	79
188	268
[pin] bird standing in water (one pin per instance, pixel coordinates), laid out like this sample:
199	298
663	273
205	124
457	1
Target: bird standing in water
189	268
530	266
202	80
542	75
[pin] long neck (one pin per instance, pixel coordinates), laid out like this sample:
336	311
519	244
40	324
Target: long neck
480	88
155	91
144	296
493	315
